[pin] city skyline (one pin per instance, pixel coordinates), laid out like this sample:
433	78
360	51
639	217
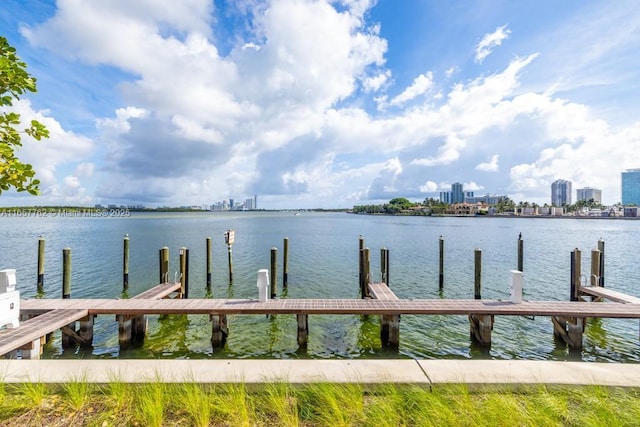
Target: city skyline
325	104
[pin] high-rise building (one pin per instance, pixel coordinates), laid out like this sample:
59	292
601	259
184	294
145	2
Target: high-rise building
588	193
560	192
631	187
457	193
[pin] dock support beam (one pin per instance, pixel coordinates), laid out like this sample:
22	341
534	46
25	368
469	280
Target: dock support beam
33	350
303	330
219	330
86	330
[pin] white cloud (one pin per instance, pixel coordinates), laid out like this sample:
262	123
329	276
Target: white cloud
375	83
421	85
490	166
429	187
490	41
472	186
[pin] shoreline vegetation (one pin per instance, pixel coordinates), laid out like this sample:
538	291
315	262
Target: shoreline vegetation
80	403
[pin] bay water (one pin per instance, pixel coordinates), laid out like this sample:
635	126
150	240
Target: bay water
323	263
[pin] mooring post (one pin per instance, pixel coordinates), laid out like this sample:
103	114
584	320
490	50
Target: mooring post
480	325
208	250
125	262
229	237
303	330
595	268
520	253
366	272
285	263
383	265
274	272
164	264
571	329
576	274
441	266
66	273
184	272
601	273
40	265
69	331
361	265
477	289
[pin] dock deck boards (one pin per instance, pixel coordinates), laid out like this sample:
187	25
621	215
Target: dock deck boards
32	329
609	294
337	306
159	291
381	291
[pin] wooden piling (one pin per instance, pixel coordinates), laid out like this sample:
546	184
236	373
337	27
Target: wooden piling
285	263
184	272
273	272
383	266
219	330
85	331
520	253
441	265
125	263
575	275
303	330
361	266
477	289
229	237
366	272
66	273
595	268
164	264
40	282
601	272
208	250
69	335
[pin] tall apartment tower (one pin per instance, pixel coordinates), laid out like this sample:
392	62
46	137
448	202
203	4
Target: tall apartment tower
457	193
631	187
588	193
560	192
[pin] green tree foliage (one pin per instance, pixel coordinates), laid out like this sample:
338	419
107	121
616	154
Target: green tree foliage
14	82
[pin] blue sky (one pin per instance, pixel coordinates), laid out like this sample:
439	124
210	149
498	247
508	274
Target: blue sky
325	103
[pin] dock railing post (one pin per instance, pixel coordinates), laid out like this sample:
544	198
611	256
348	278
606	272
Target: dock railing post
208	249
576	274
285	263
40	282
125	262
441	265
601	272
480	325
383	266
274	272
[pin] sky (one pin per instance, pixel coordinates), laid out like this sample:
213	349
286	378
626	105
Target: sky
325	104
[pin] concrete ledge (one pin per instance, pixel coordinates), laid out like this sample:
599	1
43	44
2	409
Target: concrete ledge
403	371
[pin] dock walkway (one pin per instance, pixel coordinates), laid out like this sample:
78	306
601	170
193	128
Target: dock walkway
336	306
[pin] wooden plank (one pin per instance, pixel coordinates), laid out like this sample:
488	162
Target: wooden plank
338	306
381	291
159	291
34	328
609	294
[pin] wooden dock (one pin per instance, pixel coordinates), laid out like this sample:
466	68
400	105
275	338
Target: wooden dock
51	314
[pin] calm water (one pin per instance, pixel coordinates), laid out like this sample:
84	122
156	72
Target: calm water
323	262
